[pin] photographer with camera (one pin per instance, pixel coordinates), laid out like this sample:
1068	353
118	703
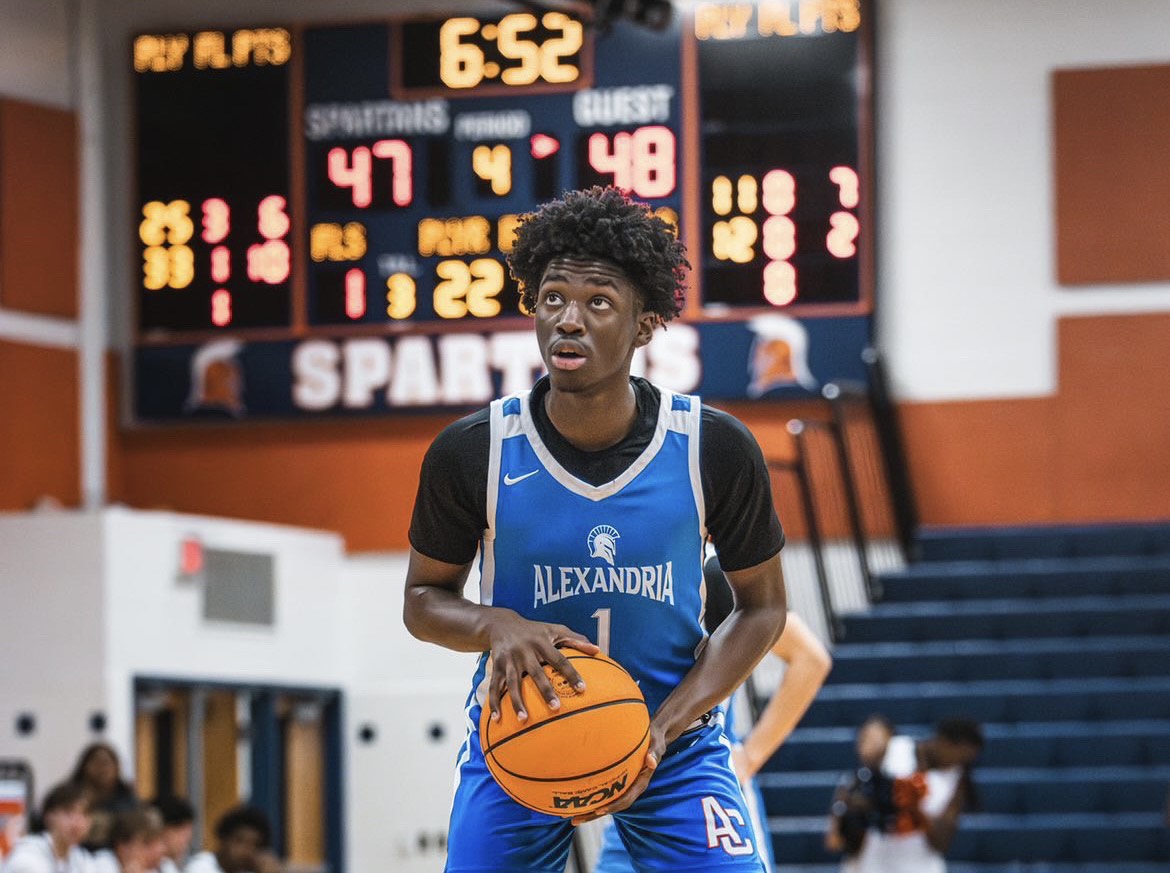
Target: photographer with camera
900	810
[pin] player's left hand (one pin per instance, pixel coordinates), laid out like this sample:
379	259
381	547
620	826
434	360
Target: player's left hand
653	755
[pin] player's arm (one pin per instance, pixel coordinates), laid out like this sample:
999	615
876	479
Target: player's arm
941	829
807	664
731	653
436	611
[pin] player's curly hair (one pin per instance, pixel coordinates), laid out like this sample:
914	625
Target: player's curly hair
603	223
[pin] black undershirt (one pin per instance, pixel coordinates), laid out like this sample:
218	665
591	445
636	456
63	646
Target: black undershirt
450	511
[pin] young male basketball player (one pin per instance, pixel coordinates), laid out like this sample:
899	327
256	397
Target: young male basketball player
593	468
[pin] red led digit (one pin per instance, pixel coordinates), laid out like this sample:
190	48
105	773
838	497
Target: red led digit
216	220
642	162
221	265
221	308
273	222
355	174
845	178
402	183
840	241
355	293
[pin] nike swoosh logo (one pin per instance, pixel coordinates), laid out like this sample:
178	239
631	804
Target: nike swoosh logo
509	480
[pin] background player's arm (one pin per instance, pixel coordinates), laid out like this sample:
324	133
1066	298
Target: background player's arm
807	664
437	612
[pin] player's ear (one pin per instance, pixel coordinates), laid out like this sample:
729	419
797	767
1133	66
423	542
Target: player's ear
647	321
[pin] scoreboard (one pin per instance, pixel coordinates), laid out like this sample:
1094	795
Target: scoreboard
323	213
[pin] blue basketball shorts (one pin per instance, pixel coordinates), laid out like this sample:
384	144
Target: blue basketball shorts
615	859
692	817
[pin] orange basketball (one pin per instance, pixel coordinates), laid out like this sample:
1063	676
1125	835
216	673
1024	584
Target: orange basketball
570	760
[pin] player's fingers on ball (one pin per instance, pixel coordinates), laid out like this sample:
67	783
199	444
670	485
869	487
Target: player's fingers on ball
545	687
565	667
496	689
514	678
574	640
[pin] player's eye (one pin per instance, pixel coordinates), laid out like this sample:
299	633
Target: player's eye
551	298
600	302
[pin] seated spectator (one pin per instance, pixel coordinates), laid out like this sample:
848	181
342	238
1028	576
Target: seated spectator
100	773
56	848
178	828
136	843
244	837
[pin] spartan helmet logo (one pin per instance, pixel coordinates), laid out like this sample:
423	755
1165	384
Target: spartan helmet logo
217	379
779	355
603	543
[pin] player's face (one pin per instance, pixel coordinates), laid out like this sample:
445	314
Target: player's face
589	321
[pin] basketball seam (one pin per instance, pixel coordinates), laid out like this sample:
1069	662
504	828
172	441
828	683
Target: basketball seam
491	747
574	776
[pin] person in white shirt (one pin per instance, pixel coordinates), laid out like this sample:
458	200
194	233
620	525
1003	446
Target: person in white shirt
178	829
136	843
56	849
244	835
922	789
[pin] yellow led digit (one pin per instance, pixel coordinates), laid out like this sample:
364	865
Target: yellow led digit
156	267
460	63
488	282
400	296
552	50
494	164
182	266
732	240
523	50
448	294
721	195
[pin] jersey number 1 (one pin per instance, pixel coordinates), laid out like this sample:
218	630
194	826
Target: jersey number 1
603	618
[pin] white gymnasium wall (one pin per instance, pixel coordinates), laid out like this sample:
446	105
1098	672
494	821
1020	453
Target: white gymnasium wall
412	695
51	637
967	297
36	62
155	624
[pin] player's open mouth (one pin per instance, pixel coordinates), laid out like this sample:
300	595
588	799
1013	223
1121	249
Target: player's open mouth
567	360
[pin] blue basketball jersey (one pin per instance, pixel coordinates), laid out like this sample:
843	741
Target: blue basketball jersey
620	562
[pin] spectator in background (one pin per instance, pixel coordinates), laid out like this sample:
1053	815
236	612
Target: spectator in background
100	773
856	804
178	828
244	837
136	843
923	788
57	847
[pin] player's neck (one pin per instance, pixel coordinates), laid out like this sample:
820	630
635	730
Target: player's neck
593	420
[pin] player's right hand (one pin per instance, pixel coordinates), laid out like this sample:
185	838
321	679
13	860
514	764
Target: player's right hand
521	647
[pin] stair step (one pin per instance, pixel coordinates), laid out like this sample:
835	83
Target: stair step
950	543
1141	615
1045	658
1026	744
1000	700
1017	791
994	838
1039	577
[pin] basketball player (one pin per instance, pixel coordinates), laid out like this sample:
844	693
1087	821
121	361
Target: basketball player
594	469
807	664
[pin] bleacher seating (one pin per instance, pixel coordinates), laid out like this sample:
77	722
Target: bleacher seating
1058	640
